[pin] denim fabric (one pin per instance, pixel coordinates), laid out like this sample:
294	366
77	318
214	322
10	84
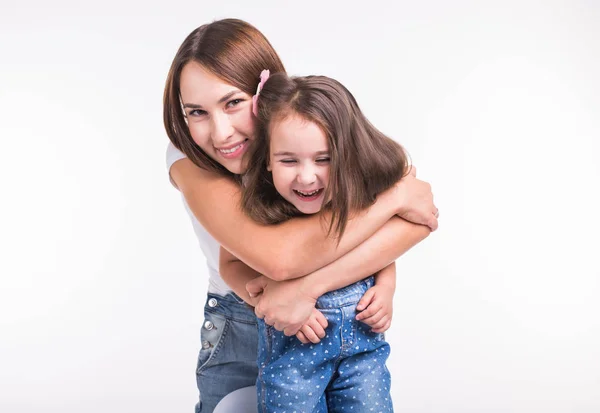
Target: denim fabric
345	372
227	359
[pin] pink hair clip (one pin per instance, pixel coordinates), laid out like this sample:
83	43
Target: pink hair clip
264	75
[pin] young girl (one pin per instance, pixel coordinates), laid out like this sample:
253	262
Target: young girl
208	118
316	151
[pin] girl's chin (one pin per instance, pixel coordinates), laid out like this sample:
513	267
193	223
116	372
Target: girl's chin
308	211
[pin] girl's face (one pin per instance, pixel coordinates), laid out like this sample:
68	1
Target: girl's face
219	116
299	161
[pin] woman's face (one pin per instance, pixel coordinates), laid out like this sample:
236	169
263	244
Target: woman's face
299	162
219	116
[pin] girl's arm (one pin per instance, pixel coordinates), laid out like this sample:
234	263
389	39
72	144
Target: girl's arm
377	305
301	245
287	304
236	274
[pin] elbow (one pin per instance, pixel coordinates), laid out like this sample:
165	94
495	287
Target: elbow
278	273
422	232
281	269
281	263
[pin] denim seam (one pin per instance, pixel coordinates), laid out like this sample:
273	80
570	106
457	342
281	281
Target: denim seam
263	395
342	339
217	349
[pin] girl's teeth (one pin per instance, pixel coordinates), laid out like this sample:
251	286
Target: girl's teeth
308	193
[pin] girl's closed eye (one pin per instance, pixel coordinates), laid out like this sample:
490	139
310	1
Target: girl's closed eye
288	161
323	160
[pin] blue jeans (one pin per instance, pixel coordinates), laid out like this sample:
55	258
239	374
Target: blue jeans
345	372
227	359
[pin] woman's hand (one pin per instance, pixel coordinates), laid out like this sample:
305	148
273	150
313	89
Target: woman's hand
415	200
286	305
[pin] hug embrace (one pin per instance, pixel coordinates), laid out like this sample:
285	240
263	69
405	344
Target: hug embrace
301	207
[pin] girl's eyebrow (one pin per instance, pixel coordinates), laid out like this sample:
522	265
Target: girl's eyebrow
225	98
284	153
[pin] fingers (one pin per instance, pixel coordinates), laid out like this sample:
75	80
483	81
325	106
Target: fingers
374	319
383	329
373	308
300	336
432	223
289	330
259	313
314	329
317	328
310	334
365	300
256	286
320	318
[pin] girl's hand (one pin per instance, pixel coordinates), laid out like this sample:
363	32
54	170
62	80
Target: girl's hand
376	308
314	329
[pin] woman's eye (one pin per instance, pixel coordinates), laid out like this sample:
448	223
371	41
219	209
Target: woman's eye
323	160
197	112
234	102
288	161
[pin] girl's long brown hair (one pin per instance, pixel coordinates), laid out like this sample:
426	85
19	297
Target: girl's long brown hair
232	50
363	161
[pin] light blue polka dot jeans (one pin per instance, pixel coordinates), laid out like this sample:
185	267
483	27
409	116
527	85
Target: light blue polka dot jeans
345	372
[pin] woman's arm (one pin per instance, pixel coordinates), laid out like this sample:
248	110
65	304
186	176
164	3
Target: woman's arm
296	247
289	303
236	274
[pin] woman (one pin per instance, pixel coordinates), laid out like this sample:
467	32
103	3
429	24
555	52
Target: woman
208	117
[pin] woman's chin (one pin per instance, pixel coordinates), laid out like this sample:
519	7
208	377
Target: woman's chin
235	167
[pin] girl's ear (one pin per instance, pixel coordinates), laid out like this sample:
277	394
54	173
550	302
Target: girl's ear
269	165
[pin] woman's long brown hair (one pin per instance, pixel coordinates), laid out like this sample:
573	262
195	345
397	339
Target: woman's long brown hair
231	49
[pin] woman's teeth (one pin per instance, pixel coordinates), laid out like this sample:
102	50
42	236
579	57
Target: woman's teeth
231	150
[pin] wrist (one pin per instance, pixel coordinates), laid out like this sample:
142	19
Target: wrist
391	204
313	285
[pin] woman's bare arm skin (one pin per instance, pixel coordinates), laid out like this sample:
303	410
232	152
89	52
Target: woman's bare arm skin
236	274
289	303
296	247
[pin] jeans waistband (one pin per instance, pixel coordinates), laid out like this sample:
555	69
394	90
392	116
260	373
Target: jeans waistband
346	295
230	306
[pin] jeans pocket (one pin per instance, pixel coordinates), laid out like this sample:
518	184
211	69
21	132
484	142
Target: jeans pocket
212	336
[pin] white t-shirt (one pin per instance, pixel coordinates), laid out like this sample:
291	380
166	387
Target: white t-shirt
210	247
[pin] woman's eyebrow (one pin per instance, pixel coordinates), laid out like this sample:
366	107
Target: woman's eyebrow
229	95
192	106
223	99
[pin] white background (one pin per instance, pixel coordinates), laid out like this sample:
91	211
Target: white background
102	281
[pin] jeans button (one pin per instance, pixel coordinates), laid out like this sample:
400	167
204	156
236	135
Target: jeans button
212	302
205	344
208	325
